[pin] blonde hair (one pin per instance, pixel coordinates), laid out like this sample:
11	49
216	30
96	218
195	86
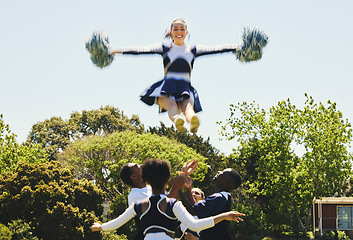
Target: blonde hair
177	20
202	193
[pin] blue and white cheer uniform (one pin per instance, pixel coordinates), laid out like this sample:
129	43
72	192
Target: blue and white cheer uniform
159	225
178	63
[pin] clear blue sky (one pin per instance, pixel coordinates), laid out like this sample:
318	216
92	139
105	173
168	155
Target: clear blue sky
45	70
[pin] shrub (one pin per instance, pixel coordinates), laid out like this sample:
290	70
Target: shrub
5	233
113	236
21	230
339	235
51	200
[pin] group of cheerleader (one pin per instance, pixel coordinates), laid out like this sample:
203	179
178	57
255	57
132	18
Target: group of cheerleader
158	212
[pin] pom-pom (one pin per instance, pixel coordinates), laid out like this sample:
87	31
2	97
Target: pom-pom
99	47
251	47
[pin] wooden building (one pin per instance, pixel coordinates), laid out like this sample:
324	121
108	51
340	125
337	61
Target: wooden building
333	213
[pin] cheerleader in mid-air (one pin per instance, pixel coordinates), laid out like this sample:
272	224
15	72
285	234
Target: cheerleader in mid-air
174	93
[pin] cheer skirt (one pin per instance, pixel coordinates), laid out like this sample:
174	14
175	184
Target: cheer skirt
174	88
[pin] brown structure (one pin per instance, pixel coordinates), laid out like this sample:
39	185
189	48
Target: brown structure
333	213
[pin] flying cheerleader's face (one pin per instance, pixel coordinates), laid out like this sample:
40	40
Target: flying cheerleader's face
178	33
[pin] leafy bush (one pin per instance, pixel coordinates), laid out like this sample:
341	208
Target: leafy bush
55	204
253	224
5	232
21	230
11	153
337	235
113	236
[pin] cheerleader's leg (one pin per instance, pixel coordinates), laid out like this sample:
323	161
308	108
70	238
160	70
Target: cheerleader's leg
172	108
187	107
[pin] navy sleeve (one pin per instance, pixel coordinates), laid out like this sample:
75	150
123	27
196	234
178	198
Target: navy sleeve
207	50
211	206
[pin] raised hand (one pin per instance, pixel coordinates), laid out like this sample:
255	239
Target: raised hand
178	182
189	167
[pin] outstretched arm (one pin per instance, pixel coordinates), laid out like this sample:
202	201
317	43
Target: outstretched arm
206	50
230	216
117	222
199	224
155	49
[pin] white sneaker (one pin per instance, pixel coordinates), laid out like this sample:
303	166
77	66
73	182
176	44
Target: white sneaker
179	124
194	124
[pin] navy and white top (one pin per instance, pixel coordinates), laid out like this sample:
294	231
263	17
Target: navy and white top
157	224
215	204
154	220
178	63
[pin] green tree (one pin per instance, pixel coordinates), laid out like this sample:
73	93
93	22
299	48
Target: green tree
55	134
101	158
11	153
52	134
283	183
104	120
51	200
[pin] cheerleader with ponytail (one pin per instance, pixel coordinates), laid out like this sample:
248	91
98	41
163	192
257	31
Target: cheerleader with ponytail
174	93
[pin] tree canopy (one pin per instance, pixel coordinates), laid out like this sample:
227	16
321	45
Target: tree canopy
283	182
100	158
12	153
55	134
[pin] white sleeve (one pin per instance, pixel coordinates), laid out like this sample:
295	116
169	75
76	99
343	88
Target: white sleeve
189	221
135	196
121	220
154	49
130	199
